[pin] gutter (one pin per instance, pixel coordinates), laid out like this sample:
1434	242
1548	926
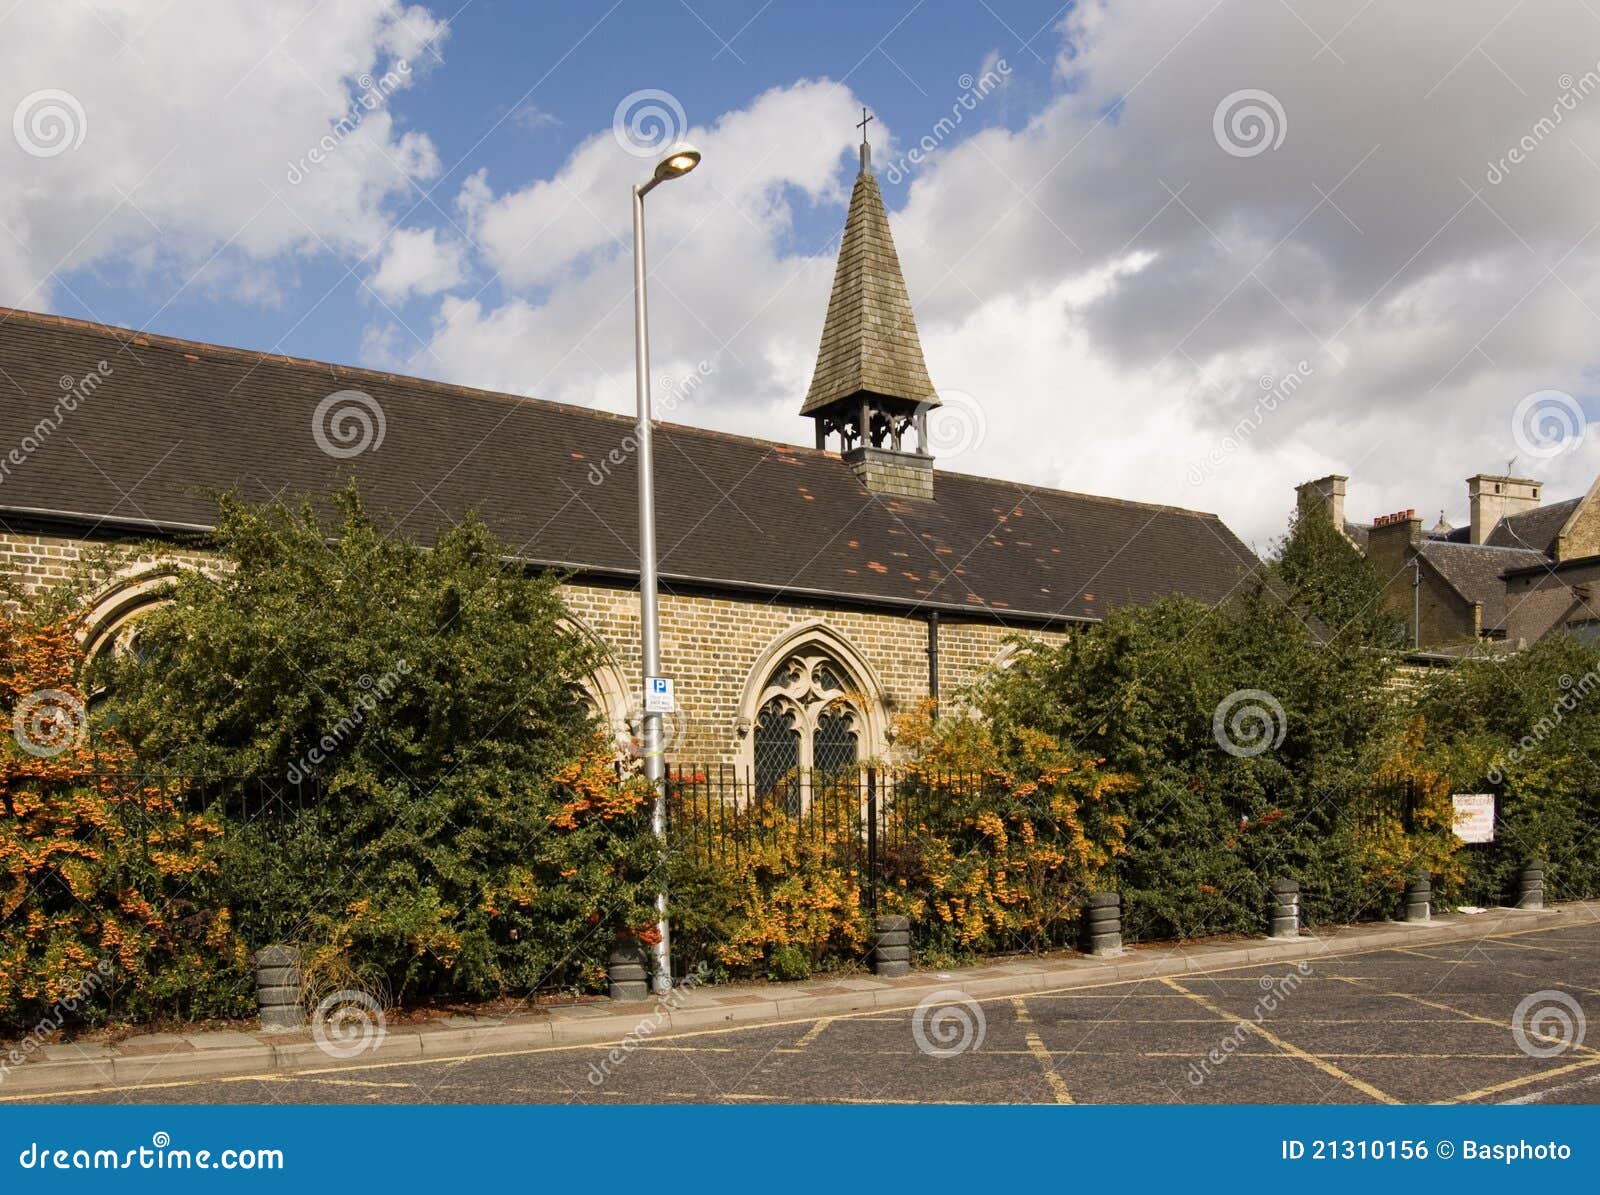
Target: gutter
590	571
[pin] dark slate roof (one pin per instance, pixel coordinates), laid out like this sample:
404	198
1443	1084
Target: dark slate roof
869	338
1475	571
176	422
1536	529
1357	534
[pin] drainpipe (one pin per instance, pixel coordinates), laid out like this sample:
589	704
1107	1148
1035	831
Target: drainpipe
1416	603
933	660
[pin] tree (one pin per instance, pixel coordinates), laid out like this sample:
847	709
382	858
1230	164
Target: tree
1321	573
412	786
1253	733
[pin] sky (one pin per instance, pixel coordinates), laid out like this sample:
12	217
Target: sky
1184	251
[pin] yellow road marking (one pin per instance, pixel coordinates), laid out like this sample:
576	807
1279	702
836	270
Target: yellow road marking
1545	949
1495	1089
1321	1064
1065	993
813	1033
1472	1016
1036	1047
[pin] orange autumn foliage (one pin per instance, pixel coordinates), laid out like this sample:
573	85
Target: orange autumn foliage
99	869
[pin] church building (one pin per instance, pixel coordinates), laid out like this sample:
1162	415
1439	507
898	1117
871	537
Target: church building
808	594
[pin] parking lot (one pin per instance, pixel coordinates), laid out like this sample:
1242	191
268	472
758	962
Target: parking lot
1424	1025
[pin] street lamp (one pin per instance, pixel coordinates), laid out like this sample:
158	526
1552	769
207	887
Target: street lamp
679	160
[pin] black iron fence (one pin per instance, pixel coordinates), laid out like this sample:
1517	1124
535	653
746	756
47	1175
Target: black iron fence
869	820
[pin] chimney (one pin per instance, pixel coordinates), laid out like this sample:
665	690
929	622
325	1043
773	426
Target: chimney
1326	494
1493	498
1392	541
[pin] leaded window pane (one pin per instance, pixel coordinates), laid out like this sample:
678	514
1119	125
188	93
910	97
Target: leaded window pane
777	754
833	747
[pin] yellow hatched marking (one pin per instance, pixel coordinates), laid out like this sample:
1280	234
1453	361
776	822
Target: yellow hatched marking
813	1033
1036	1047
1470	1016
1322	1064
1531	946
1509	1084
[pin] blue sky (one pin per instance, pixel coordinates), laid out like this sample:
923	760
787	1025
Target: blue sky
1185	251
514	88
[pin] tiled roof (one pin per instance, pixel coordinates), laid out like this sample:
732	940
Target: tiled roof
176	422
1475	571
869	338
1536	529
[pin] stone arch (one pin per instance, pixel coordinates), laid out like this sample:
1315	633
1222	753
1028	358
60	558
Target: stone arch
112	613
811	682
603	690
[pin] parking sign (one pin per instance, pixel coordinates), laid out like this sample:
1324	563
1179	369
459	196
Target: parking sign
658	697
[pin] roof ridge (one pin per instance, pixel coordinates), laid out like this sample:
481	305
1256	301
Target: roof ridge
1455	543
256	357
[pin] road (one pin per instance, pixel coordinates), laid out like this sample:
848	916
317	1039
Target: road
1399	1025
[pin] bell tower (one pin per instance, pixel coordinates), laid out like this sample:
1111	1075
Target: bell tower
870	387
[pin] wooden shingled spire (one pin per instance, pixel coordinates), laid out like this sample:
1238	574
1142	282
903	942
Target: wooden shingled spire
870	346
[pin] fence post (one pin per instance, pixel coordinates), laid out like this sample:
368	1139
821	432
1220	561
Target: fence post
1530	885
278	999
1103	923
1419	897
1285	912
891	946
872	841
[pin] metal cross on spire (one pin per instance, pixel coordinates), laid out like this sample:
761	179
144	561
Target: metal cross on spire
866	150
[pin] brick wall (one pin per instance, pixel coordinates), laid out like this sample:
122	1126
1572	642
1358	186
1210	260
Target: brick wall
716	649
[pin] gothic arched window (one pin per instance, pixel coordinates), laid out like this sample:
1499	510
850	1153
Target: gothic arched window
808	722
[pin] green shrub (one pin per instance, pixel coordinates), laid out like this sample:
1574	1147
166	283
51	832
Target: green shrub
454	826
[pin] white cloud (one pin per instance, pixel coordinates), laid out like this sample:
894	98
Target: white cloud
1369	244
1105	279
418	262
195	115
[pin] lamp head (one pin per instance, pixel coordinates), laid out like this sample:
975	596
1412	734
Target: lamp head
679	160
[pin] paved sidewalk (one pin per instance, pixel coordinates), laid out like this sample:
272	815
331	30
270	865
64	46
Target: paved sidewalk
154	1059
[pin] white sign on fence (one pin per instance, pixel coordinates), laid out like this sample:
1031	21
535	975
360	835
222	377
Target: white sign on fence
658	698
1474	816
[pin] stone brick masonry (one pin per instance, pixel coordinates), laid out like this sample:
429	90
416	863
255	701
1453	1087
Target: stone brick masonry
719	650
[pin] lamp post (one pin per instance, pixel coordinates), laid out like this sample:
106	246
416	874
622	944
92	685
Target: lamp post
679	161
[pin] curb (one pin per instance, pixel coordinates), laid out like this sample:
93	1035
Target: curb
565	1028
